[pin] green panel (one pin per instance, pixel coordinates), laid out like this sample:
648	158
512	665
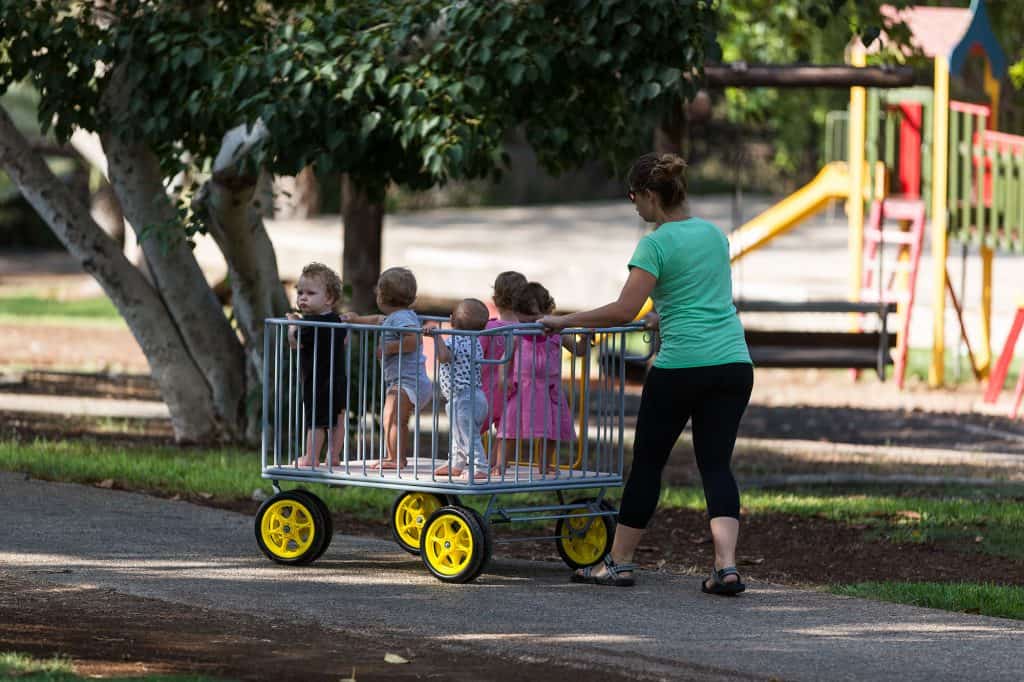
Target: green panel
954	197
966	171
979	199
871	138
992	231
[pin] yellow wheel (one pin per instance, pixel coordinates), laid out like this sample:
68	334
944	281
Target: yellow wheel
453	545
584	540
290	528
409	514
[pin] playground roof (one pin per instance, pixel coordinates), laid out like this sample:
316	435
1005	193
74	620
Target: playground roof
952	32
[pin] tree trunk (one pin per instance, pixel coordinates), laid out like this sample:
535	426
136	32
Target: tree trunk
182	385
363	221
214	346
670	133
106	211
236	223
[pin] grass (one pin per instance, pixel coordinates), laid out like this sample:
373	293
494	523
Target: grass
232	474
985	599
40	309
17	666
919	359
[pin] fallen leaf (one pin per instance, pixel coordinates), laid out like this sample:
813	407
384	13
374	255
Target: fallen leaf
705	540
176	497
206	496
979	538
752	561
908	514
394	658
349	679
106	483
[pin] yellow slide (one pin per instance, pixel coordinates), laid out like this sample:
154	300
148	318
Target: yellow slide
832	182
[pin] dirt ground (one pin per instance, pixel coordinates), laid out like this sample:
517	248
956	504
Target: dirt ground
107	634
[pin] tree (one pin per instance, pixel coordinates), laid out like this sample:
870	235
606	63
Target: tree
385	91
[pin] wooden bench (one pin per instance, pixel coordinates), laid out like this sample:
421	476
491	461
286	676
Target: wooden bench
825	349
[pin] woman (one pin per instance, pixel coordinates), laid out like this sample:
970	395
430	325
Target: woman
703	370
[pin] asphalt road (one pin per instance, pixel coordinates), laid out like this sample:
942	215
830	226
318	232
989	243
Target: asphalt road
664	628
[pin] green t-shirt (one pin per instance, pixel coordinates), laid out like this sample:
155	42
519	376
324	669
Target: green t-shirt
693	294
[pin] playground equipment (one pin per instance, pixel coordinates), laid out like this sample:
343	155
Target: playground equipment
915	152
998	377
428	517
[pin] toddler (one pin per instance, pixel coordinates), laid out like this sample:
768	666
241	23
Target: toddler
508	288
459	377
536	406
321	361
407	389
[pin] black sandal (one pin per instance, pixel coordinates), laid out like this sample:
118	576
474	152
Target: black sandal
718	584
612	576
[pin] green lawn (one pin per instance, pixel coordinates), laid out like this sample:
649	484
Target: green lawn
34	308
988	600
233	474
17	666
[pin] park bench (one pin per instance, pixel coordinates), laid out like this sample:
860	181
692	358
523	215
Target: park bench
824	349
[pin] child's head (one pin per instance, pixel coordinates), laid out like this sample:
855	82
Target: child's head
396	288
508	287
534	301
470	314
318	290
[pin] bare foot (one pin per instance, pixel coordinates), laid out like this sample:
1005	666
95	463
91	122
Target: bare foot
305	461
443	471
477	475
385	464
497	471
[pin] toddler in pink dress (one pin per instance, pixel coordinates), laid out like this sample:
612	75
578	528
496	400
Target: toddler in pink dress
536	406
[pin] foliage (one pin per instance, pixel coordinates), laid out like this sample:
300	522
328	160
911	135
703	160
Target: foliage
1000	601
405	91
786	32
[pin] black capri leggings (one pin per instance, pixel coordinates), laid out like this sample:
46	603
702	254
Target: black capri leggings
716	397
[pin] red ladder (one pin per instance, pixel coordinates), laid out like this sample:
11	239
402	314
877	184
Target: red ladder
998	377
876	238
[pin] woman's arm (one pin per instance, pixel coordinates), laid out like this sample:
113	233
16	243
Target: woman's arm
444	354
635	291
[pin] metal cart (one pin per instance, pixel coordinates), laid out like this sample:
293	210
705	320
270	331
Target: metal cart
586	385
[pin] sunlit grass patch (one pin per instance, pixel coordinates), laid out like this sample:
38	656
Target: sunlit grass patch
981	598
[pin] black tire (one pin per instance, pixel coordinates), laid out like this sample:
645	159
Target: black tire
488	541
328	521
276	534
572	550
453	545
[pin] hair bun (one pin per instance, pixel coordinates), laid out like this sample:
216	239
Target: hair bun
669	166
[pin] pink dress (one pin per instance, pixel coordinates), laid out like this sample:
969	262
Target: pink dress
492	376
536	406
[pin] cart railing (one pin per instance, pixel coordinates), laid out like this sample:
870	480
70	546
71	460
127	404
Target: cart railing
555	409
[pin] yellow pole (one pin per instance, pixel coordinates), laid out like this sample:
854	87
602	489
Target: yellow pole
855	163
984	356
940	247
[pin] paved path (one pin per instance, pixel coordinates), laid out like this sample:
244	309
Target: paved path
74	535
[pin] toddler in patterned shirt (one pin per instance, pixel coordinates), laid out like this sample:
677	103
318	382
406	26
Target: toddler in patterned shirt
459	378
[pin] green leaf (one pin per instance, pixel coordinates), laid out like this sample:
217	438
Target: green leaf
475	83
455	154
193	56
380	74
515	73
369	122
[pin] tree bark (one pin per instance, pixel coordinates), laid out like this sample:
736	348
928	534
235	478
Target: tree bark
214	346
182	385
742	75
671	131
363	222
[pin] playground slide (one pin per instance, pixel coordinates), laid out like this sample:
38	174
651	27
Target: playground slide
832	182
